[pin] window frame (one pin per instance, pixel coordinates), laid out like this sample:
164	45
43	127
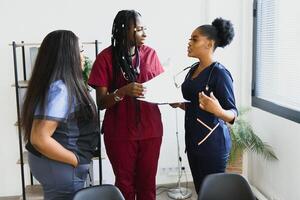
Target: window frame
260	103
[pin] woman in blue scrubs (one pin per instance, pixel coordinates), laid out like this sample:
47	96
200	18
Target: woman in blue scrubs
59	118
208	87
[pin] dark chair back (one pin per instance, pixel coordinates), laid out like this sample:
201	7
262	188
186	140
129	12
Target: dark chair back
223	186
99	192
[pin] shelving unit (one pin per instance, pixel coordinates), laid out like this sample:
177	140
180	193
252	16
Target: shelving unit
33	191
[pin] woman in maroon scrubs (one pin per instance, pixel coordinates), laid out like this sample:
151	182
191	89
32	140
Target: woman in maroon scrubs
132	129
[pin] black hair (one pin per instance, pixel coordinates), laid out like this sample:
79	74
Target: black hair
221	31
58	59
121	44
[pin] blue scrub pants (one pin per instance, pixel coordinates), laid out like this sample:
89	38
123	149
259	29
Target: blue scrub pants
59	180
203	165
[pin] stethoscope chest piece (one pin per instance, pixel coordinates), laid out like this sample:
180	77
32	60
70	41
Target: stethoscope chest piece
206	88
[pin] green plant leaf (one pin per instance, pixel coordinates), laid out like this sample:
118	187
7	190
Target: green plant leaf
243	139
86	69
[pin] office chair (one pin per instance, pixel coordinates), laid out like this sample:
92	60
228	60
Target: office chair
99	192
225	186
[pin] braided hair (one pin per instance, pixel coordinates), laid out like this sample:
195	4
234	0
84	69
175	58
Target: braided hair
121	45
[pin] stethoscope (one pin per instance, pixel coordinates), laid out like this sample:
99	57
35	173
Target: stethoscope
189	73
211	129
136	69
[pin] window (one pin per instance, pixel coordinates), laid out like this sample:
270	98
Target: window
276	58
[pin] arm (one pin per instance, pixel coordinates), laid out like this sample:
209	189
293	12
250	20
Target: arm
41	139
178	105
106	100
212	105
221	102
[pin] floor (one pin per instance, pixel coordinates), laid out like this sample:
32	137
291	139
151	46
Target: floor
162	192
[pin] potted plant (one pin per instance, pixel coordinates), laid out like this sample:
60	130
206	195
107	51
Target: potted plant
86	69
243	139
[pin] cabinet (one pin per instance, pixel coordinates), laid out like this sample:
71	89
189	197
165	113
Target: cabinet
21	74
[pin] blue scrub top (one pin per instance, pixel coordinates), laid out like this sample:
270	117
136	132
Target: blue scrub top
220	83
74	131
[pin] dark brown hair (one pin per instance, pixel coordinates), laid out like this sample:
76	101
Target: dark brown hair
58	59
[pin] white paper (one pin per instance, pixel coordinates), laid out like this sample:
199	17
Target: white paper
162	90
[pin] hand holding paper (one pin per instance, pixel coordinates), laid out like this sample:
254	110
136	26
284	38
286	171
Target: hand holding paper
162	90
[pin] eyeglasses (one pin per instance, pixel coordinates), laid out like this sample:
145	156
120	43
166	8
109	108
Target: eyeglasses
140	28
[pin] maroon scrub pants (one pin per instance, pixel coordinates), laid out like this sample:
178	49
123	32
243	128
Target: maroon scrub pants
134	164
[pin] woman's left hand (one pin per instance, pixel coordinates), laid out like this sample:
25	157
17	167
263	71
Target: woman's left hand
210	103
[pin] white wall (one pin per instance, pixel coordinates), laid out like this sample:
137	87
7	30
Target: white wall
169	26
278	180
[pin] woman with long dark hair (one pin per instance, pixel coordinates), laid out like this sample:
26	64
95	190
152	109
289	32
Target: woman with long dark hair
132	129
209	88
59	117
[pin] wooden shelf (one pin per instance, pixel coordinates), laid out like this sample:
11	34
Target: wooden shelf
34	192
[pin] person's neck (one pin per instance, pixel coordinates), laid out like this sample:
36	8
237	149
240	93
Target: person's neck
205	62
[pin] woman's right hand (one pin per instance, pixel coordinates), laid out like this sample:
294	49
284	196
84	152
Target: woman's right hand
175	105
133	89
42	140
178	105
74	161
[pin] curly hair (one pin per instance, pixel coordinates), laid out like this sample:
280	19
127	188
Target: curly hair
221	31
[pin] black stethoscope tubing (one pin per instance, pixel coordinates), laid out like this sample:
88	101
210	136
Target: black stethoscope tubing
194	65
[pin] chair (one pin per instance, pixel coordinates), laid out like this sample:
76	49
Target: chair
225	186
99	192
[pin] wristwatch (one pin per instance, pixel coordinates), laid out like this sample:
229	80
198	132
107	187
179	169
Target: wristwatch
116	97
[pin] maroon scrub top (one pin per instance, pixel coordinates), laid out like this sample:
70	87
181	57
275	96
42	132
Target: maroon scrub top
120	120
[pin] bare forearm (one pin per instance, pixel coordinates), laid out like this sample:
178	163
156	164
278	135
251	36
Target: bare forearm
226	115
53	150
106	101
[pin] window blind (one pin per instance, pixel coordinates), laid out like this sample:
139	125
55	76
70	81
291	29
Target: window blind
277	63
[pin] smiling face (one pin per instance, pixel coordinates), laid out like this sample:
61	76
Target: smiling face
138	32
199	45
